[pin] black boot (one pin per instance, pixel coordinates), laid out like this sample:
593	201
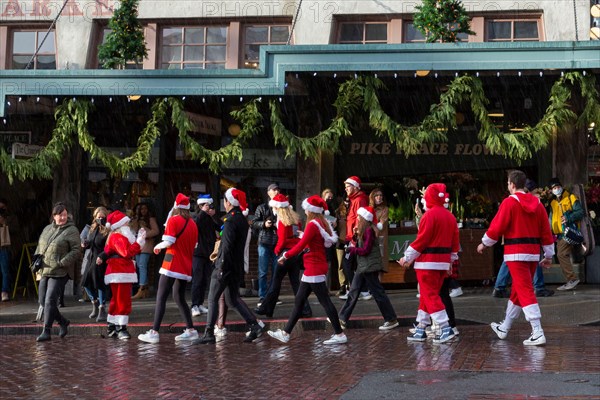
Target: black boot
112	330
64	327
256	330
94	312
208	337
44	336
122	332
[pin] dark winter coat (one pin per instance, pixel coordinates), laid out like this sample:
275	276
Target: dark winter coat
207	234
266	236
230	259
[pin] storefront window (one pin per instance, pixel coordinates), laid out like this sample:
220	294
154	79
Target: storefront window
189	47
24	46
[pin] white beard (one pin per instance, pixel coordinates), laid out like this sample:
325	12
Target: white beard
127	232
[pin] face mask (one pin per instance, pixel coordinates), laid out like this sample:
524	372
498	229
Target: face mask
557	191
101	221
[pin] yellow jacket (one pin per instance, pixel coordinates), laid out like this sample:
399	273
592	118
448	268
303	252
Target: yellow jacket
567	206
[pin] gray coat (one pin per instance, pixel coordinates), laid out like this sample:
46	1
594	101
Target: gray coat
61	249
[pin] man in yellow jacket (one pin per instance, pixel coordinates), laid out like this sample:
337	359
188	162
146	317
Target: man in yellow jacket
565	211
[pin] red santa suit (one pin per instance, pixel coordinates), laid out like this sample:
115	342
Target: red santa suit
120	248
433	251
182	234
523	222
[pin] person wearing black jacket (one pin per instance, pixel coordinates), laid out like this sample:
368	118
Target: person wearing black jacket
229	267
201	264
265	222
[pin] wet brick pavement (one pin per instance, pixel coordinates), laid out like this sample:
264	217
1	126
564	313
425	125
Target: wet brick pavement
371	365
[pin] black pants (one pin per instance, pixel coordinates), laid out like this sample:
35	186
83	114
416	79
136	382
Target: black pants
447	300
371	280
349	267
50	289
201	270
165	283
230	286
322	294
291	268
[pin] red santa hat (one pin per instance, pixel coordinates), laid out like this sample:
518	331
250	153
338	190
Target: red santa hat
182	201
354	181
279	201
316	205
369	214
435	195
116	220
237	198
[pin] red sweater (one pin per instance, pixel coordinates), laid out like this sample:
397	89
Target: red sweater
315	261
436	241
285	237
357	200
523	222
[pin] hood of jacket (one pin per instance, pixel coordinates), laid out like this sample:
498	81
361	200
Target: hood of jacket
527	201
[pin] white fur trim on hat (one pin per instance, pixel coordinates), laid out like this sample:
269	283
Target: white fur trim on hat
279	204
363	212
353	182
309	207
120	223
234	202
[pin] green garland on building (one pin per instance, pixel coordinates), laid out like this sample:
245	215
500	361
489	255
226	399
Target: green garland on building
442	20
354	95
125	42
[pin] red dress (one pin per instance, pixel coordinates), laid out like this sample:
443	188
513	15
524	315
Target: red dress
178	257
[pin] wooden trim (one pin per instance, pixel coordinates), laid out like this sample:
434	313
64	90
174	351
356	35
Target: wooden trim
151	37
395	31
477	26
3	47
234	38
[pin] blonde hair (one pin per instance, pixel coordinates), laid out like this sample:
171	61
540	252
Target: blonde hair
311	215
95	225
325	191
288	216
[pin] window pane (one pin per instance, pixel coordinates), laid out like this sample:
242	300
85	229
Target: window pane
171	36
526	30
19	62
351	33
170	66
413	34
257	34
46	62
193	53
48	46
216	35
215	53
215	66
499	30
252	52
171	53
279	34
192	66
194	35
24	42
376	32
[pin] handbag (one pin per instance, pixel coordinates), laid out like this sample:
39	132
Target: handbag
38	259
573	236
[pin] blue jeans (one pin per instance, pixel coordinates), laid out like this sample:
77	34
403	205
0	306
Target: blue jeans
95	296
504	276
266	258
5	265
141	262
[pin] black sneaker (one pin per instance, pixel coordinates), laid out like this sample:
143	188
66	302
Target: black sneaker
254	333
208	338
112	331
124	335
499	293
544	293
44	336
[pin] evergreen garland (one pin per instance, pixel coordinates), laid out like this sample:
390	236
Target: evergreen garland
125	42
353	95
442	20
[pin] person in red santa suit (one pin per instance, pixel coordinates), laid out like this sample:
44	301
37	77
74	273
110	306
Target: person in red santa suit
433	252
180	239
357	199
523	221
121	246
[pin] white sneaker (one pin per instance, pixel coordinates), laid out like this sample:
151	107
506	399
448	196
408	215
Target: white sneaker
336	339
196	311
187	335
278	302
389	325
365	296
280	335
536	339
569	285
502	334
456	292
203	309
343	296
149	337
220	332
456	332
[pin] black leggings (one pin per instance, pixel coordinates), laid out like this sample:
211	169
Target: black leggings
165	283
447	300
322	294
